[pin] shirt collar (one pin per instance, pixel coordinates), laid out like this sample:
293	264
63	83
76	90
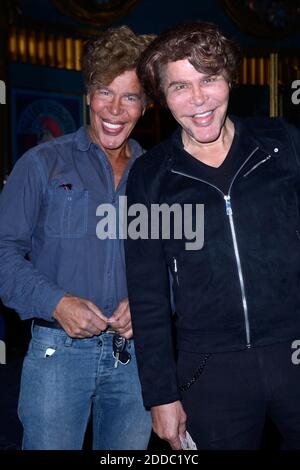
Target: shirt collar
83	143
82	139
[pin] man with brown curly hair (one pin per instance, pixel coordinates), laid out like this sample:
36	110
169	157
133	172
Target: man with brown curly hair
237	299
81	358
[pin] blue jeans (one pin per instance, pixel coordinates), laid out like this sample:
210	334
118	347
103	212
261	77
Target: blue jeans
60	392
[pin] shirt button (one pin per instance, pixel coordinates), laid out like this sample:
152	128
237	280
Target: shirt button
100	343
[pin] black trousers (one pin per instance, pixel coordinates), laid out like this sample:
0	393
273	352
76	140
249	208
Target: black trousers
227	405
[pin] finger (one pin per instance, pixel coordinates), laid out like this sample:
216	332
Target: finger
124	331
128	334
121	308
119	323
84	335
123	323
77	332
97	325
182	428
114	319
89	325
96	310
113	324
175	444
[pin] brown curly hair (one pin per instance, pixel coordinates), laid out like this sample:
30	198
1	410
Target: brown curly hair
116	51
202	43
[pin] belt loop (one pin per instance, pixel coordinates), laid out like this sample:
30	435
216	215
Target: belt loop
68	341
31	328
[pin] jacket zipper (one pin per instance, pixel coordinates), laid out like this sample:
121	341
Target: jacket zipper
229	213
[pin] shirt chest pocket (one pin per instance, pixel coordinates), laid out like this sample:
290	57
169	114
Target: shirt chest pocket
66	213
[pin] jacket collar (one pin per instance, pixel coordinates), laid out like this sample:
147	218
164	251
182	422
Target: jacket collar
251	141
260	133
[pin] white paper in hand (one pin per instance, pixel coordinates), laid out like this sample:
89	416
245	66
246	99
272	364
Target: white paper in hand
187	442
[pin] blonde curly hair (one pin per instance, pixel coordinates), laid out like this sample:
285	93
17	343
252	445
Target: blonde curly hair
116	51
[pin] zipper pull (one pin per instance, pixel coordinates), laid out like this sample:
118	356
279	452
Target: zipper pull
175	265
228	205
176	270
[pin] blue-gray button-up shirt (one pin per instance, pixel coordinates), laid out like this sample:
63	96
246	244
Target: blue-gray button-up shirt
48	212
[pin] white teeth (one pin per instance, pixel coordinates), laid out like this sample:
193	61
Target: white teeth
112	126
208	113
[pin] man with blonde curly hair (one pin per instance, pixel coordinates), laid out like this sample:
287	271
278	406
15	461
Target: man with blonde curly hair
81	358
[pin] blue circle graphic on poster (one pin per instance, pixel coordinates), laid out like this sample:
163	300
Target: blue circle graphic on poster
46	119
38	117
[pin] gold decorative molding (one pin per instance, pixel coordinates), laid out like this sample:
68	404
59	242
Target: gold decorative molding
38	47
95	12
273	85
55	49
275	20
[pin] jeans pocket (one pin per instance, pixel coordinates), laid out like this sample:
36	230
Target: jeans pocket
47	343
67	213
39	350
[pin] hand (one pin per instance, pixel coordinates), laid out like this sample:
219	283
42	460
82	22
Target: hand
121	320
169	422
79	317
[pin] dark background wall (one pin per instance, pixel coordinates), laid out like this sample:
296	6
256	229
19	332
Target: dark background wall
152	16
148	16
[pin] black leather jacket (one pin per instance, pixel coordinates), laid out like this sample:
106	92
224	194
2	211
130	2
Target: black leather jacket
242	289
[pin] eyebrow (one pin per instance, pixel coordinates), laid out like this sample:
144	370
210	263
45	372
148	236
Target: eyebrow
101	87
128	93
180	82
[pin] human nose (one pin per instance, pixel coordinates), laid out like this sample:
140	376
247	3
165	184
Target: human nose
115	106
198	95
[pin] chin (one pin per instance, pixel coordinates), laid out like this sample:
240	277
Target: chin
113	144
206	138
